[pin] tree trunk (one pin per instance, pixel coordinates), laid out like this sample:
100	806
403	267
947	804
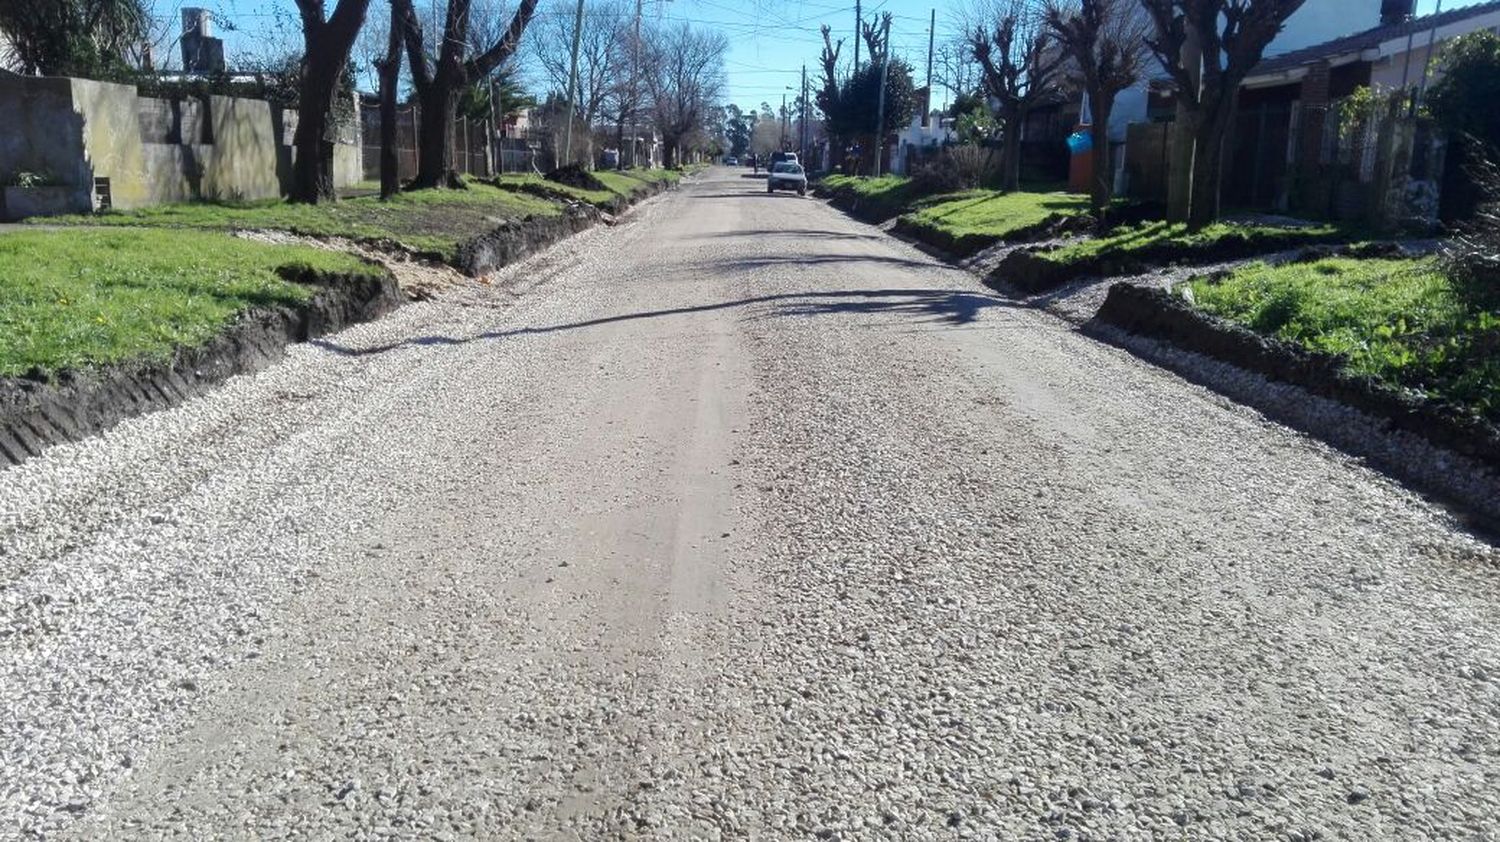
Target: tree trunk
327	44
1184	136
312	177
1208	158
1011	177
390	72
435	138
1102	188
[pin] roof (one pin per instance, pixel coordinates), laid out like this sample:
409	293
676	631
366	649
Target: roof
1370	39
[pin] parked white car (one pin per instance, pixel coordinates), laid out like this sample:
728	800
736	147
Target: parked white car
787	175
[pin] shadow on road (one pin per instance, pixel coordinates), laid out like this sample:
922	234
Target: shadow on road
944	307
751	263
793	232
746	194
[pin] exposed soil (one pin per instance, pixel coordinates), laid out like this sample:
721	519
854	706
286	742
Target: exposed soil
1029	271
37	413
1159	314
573	175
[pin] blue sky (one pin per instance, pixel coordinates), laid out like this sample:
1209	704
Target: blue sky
770	39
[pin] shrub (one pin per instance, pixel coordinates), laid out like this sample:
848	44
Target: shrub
957	168
1472	259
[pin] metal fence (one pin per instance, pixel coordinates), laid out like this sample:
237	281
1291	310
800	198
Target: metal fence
470	139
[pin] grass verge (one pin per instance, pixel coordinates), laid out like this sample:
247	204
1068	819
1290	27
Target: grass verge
1135	249
1400	321
1165	240
432	221
86	297
966	222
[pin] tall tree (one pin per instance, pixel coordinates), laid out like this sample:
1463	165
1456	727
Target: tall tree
826	97
683	74
90	38
1231	36
1105	41
603	56
1020	67
388	70
440	81
327	41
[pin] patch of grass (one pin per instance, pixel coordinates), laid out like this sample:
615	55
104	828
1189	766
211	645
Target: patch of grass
875	199
536	185
78	297
991	214
1399	320
1162	240
632	181
434	221
886	187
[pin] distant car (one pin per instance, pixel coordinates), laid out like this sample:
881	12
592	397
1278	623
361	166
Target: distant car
731	161
780	157
787	175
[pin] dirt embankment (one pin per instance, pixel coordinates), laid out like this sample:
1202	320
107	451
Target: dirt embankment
38	412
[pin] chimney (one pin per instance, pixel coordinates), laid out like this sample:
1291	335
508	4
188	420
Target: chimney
201	52
197	22
1396	11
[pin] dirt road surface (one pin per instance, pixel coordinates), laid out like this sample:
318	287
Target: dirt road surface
736	520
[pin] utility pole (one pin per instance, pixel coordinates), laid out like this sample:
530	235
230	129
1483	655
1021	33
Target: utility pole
783	121
885	67
573	84
802	130
635	81
859	22
1427	59
931	37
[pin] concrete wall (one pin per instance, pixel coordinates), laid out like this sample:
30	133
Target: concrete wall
43	134
77	130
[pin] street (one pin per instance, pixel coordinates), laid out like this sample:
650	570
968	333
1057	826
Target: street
741	519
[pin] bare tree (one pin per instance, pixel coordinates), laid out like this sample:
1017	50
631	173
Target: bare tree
327	41
955	68
683	74
873	32
826	97
1231	36
1020	67
603	55
1105	41
438	82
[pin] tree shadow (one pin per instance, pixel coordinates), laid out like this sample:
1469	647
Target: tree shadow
752	263
945	307
792	232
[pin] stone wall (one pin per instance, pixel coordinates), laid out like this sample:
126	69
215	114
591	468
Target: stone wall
74	131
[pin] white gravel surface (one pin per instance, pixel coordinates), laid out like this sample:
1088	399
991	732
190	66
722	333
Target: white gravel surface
738	519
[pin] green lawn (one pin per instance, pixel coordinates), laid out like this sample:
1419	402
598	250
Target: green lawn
1399	320
70	298
886	187
1162	240
979	217
434	221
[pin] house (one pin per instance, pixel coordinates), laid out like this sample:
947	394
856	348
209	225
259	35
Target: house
923	136
1286	148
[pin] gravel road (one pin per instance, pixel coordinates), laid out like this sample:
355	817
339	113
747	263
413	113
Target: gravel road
739	519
